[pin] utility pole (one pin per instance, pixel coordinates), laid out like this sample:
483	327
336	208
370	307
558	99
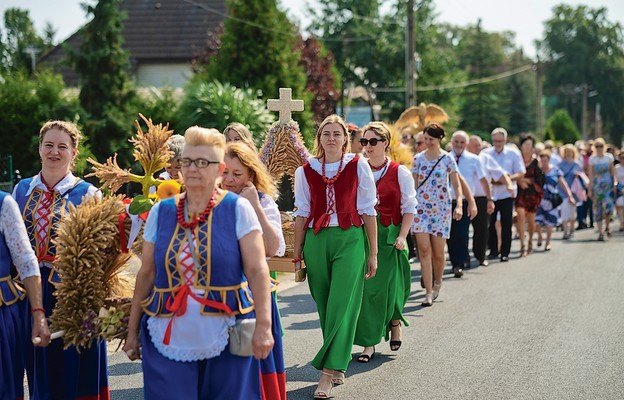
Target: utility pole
410	68
539	125
584	112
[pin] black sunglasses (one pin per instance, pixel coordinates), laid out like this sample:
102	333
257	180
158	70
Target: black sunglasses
373	141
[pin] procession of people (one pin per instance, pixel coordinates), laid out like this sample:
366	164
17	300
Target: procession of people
205	317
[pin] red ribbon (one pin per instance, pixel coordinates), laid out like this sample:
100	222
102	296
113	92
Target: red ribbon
177	304
322	222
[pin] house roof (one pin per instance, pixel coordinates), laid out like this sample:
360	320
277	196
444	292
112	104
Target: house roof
154	31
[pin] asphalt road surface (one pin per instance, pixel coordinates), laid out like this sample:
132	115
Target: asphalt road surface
549	326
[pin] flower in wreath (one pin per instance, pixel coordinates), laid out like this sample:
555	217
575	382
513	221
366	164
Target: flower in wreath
167	189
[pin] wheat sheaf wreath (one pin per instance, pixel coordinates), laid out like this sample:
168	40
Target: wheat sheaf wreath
88	260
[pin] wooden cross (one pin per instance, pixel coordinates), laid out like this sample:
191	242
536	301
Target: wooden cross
285	105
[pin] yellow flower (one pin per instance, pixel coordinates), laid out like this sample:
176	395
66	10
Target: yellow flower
168	188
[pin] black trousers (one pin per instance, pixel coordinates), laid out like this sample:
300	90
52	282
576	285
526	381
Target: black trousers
458	239
505	208
480	229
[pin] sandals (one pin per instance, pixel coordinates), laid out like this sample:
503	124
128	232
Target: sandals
338	378
364	358
395	345
322	394
428	301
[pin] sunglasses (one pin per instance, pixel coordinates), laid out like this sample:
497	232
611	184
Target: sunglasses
419	143
599	146
199	162
373	141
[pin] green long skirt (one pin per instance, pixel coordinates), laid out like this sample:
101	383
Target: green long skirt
387	292
335	259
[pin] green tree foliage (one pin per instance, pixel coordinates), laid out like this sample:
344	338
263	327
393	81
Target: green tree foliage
106	90
581	46
20	35
484	106
26	103
259	50
522	105
215	105
561	128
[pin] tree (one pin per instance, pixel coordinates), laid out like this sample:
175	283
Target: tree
106	90
321	78
20	35
582	47
521	89
561	128
259	50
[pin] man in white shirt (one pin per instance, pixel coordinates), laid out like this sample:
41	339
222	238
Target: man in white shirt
472	171
511	162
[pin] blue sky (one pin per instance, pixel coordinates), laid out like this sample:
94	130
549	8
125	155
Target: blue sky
525	18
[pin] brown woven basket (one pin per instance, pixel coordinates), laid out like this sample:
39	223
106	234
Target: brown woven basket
288	229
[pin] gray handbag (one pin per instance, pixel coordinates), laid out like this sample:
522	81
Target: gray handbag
240	337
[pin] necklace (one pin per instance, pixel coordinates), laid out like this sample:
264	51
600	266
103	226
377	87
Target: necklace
195	221
379	168
330	181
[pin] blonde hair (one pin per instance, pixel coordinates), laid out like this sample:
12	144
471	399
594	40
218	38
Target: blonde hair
569	148
379	129
243	132
319	152
260	177
70	128
198	136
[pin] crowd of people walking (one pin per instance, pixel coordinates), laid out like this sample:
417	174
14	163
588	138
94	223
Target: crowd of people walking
204	272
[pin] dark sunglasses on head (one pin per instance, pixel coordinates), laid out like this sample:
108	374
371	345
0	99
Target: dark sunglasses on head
373	141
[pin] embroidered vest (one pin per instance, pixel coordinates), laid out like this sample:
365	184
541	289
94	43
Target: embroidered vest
220	275
28	206
9	291
389	193
346	197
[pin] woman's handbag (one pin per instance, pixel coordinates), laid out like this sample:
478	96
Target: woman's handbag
554	198
240	337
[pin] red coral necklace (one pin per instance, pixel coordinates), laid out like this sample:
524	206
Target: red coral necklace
330	181
194	221
374	168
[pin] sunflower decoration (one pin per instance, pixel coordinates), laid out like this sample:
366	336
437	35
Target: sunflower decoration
167	189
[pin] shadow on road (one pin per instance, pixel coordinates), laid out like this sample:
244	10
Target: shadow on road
297	304
127	394
124	369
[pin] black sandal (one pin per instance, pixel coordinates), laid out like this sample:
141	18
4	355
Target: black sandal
364	358
395	345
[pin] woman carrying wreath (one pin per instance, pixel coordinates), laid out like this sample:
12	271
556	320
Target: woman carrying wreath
246	176
203	269
54	373
385	295
336	234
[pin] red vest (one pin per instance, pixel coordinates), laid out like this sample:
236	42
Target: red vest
389	194
345	189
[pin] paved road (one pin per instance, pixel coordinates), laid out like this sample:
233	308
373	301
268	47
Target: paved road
550	326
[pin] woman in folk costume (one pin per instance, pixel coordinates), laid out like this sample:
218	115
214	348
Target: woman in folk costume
15	250
385	295
335	195
54	373
246	176
203	259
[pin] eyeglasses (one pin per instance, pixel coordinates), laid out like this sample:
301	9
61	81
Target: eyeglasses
199	162
373	141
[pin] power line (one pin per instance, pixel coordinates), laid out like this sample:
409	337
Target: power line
478	81
279	32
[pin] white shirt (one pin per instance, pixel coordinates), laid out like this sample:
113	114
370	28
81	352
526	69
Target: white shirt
366	191
493	171
62	187
406	185
470	169
511	161
16	238
273	215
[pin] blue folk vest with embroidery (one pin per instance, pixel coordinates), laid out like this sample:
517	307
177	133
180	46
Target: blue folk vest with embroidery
9	292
